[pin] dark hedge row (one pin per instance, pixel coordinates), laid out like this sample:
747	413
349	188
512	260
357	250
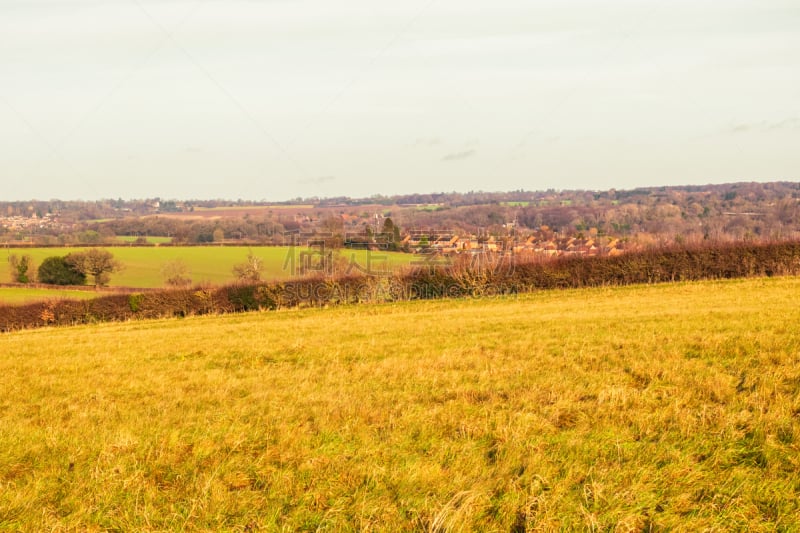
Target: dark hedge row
462	278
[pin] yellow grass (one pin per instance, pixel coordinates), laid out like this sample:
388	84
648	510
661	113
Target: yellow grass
615	409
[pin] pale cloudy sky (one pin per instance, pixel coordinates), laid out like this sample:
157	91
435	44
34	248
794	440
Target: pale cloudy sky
273	99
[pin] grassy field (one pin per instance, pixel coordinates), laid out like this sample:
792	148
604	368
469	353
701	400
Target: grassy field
207	264
149	239
251	208
13	296
614	409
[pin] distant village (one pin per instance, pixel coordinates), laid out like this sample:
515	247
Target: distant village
540	242
533	244
34	221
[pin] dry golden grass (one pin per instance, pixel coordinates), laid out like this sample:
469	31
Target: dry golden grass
621	409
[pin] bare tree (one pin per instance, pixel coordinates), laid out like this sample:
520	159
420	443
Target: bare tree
95	262
176	273
250	270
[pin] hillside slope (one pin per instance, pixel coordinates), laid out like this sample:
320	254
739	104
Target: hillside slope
668	406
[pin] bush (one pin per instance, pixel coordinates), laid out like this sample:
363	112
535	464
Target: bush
58	271
135	302
22	269
250	270
176	273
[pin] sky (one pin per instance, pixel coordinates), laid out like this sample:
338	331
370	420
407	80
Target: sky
277	99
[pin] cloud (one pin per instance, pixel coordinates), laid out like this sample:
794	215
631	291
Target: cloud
786	124
741	128
317	181
789	123
458	156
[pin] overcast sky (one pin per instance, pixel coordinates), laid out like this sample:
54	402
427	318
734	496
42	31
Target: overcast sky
274	99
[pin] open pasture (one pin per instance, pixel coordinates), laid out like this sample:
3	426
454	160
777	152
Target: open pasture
21	295
150	239
616	409
208	264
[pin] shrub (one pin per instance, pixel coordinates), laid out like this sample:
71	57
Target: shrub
250	270
135	302
176	273
21	268
58	271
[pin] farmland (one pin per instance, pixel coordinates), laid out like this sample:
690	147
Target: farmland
127	239
665	407
207	264
14	295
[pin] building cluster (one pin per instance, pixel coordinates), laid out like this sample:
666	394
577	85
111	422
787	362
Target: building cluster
551	246
20	223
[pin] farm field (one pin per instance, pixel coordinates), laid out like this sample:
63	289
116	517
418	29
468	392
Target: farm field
128	239
207	264
252	209
14	296
630	409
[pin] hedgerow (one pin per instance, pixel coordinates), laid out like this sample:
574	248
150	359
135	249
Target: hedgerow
460	278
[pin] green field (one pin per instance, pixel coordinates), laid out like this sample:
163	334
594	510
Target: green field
612	409
207	264
14	296
149	239
248	209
